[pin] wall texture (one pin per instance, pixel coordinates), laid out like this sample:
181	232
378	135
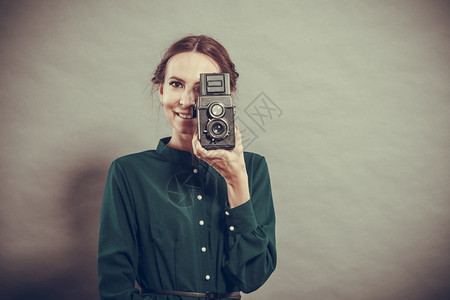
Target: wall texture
348	100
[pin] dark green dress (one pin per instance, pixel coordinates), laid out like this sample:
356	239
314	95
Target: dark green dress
165	222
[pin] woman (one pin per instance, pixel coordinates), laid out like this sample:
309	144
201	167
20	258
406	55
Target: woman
182	221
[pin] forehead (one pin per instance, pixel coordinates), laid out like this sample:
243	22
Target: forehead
189	65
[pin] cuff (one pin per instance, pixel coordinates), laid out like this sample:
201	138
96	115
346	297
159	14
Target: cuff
240	219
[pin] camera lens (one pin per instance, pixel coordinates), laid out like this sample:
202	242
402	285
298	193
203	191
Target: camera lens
217	129
216	110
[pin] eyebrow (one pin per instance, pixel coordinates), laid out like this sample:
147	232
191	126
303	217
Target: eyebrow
176	78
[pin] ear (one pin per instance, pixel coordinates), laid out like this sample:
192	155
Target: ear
160	92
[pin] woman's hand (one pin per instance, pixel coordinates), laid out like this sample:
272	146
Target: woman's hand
230	164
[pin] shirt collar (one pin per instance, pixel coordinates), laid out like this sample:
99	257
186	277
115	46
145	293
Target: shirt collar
175	155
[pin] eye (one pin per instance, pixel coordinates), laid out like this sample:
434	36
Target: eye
197	89
176	84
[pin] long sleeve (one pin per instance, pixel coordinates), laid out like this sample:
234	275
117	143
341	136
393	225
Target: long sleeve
118	247
250	254
164	223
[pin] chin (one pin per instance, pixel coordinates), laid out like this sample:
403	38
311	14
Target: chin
185	130
190	132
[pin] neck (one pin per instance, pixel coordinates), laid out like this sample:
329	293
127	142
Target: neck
181	142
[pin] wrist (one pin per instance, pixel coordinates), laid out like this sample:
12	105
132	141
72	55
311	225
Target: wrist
237	179
238	191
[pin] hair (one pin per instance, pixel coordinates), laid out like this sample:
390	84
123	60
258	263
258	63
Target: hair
201	44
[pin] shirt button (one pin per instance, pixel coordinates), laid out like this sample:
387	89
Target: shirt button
207	277
199	197
231	228
195	171
227	213
203	249
201	222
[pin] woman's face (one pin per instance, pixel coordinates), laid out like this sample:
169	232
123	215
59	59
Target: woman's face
179	92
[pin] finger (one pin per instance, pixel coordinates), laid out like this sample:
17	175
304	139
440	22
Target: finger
194	144
236	131
197	148
238	138
200	151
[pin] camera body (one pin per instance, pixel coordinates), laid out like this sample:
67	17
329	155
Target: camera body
215	112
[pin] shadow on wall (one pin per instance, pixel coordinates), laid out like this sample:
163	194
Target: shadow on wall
73	273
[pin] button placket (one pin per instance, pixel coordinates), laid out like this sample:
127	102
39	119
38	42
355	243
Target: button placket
203	231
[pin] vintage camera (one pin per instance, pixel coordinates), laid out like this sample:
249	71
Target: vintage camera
215	112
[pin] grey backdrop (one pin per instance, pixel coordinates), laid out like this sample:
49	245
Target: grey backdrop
357	140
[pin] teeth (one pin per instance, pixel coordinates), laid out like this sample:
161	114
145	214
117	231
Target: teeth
185	116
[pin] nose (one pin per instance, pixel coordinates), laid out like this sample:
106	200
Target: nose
188	98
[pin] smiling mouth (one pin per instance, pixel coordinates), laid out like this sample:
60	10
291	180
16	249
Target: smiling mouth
183	116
